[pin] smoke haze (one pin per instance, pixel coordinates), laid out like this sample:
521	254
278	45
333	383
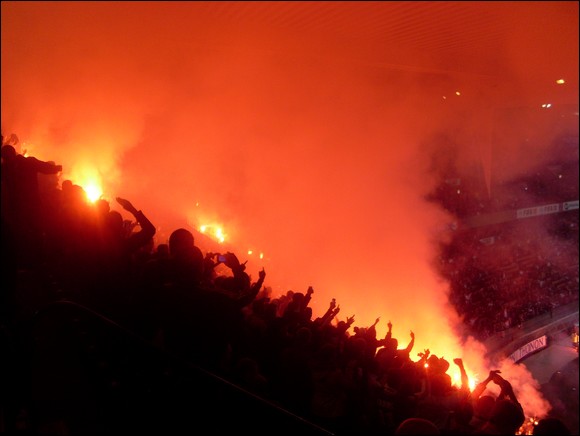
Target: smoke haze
298	142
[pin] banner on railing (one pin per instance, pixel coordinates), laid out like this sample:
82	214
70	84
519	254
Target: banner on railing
531	347
546	209
538	210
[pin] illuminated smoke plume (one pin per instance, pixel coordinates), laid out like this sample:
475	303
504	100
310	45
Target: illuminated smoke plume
296	144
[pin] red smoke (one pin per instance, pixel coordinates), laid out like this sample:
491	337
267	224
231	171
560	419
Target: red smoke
301	142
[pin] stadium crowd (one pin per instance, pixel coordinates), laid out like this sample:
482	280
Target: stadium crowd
335	374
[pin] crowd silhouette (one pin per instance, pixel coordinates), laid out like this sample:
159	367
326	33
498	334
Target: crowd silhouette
337	375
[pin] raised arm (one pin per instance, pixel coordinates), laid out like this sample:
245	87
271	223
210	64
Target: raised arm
480	388
506	389
307	298
411	344
464	379
329	314
389	334
147	228
254	290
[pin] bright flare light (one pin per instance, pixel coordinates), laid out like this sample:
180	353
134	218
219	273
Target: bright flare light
455	374
560	81
214	232
93	191
472	383
90	181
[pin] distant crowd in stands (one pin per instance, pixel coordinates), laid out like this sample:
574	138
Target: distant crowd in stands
171	295
503	275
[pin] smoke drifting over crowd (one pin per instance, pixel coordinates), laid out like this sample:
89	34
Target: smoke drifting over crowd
296	141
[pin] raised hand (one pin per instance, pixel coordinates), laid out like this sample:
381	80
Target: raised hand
126	205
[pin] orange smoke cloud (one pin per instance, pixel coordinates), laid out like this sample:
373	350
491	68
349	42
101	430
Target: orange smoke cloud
295	143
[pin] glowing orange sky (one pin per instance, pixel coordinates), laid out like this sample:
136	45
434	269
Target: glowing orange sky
303	142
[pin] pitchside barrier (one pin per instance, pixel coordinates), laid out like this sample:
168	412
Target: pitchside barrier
534	335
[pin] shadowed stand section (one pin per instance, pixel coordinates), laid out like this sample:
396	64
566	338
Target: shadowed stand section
91	376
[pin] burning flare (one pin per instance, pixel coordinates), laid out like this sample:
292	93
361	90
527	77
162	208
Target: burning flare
213	231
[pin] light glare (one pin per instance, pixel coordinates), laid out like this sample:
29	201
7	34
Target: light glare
93	192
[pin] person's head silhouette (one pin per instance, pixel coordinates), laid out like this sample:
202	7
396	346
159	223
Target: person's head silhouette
181	243
8	152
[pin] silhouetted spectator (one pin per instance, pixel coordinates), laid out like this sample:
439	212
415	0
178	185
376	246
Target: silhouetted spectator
390	356
329	315
166	281
237	286
117	246
297	312
482	408
507	415
118	242
22	204
186	258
